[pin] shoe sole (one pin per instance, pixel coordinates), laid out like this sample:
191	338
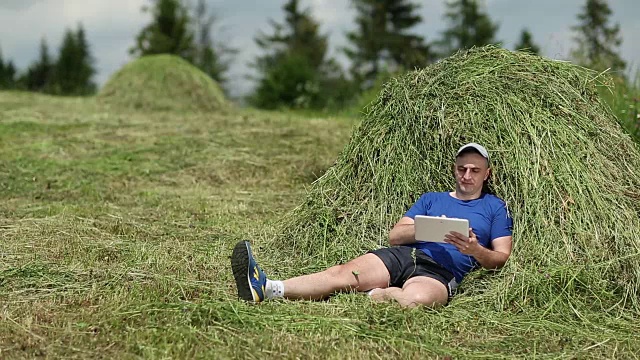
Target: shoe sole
240	268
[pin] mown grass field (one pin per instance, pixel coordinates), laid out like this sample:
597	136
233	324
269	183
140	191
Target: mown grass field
116	229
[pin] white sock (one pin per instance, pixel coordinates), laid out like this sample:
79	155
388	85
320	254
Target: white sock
274	289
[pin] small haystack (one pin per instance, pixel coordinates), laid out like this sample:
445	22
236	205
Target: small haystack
568	173
163	82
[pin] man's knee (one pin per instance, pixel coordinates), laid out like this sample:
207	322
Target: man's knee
341	273
427	299
363	273
425	291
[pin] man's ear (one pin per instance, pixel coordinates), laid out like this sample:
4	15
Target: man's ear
488	174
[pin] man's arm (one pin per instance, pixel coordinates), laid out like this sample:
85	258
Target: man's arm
496	258
489	259
404	232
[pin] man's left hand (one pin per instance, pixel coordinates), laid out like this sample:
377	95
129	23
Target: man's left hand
467	245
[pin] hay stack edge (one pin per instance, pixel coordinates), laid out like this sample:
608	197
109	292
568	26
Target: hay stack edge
161	83
570	177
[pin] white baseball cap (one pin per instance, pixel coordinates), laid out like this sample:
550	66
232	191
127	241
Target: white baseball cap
474	146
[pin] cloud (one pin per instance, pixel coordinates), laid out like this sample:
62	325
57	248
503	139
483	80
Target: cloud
331	13
630	48
17	4
102	13
42	19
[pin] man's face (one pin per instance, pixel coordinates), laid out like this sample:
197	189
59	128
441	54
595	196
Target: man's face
471	170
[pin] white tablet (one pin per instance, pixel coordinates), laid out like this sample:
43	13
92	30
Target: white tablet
434	228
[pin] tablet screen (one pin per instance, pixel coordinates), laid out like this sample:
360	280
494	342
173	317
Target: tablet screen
434	229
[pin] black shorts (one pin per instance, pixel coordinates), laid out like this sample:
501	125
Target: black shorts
405	262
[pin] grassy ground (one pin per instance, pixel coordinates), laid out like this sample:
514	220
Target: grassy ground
116	230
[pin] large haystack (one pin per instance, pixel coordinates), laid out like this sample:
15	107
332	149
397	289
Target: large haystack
568	173
163	82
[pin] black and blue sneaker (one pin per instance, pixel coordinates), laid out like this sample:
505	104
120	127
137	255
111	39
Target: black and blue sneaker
250	279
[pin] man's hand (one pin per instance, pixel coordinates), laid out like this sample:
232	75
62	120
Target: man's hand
489	259
467	245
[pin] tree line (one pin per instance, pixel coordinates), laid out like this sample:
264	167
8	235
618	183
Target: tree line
294	68
70	73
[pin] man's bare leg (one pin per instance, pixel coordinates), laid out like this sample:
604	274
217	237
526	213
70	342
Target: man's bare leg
419	290
361	274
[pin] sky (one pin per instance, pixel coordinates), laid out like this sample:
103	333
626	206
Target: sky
112	26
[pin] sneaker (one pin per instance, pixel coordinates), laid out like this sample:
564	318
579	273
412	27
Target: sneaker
250	279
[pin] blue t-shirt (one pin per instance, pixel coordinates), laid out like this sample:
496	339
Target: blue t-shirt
487	215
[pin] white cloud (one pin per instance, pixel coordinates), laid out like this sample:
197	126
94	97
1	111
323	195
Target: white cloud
331	13
100	12
34	22
17	4
557	44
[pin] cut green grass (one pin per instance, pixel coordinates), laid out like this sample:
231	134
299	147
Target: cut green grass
163	82
567	171
113	261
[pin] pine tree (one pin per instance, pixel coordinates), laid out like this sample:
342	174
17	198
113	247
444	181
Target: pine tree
597	40
304	39
6	80
10	81
469	26
67	70
382	41
74	68
85	63
291	70
39	75
212	57
526	43
168	33
298	35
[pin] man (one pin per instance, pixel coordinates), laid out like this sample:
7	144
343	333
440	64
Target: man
409	272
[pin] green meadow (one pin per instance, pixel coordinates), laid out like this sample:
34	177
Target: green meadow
116	227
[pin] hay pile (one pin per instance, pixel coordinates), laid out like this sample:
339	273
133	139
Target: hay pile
568	173
163	82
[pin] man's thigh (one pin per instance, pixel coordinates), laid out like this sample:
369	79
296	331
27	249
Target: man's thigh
366	272
426	291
